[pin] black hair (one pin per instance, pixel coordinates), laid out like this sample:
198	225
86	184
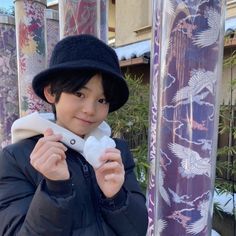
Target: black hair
71	82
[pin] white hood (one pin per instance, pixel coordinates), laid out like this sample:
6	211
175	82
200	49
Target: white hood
36	123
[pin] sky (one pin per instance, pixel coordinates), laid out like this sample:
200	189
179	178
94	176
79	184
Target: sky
8	3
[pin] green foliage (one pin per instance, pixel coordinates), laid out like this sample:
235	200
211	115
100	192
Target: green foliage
226	162
217	209
141	170
133	116
227	119
131	123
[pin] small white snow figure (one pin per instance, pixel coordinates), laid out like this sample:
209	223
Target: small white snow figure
94	148
191	162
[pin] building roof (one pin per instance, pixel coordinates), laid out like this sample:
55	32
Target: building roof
133	50
138	49
135	53
230	23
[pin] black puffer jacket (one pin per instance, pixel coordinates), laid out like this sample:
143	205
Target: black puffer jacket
31	205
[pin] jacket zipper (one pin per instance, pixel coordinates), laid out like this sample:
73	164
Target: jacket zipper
87	176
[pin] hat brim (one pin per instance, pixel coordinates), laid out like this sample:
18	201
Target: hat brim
43	79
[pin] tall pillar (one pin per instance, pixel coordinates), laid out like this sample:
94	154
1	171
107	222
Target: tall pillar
9	110
83	17
51	32
29	17
187	59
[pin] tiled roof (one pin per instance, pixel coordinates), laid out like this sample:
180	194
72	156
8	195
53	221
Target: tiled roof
142	48
230	23
134	50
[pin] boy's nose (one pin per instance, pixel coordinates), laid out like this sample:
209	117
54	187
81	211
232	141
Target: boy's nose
89	108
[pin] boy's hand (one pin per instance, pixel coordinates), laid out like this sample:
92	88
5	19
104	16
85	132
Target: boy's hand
110	176
48	157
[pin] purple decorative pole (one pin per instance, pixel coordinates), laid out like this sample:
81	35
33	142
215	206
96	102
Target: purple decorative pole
51	32
187	57
83	17
9	110
30	51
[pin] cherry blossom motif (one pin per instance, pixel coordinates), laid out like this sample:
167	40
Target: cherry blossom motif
5	63
23	35
31	103
181	218
52	37
195	125
9	111
22	63
192	163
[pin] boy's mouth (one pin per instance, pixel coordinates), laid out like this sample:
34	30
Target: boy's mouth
86	121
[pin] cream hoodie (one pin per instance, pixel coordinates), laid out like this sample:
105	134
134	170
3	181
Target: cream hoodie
91	147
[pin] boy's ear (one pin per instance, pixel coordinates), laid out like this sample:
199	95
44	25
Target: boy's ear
48	94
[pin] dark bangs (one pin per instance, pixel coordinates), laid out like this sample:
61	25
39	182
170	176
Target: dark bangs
70	82
108	87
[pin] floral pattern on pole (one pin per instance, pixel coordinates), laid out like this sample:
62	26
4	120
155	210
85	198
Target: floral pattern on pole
83	17
31	52
9	111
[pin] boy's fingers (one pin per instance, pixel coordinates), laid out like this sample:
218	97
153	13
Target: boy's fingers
114	150
48	132
56	148
111	167
112	156
47	141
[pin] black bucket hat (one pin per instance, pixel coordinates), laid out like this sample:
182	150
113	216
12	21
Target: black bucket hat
80	52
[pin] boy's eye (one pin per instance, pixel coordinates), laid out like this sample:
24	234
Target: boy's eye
102	100
79	94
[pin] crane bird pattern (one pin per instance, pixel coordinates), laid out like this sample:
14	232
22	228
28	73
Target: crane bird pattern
185	74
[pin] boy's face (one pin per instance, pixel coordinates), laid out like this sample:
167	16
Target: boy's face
85	110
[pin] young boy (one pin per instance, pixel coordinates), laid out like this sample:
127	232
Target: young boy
47	186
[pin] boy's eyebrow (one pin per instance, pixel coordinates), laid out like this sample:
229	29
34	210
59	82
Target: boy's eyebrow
84	87
87	88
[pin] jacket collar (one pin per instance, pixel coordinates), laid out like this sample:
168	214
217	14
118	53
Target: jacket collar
91	147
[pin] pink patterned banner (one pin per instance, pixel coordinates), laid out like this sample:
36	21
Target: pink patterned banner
30	51
52	32
83	17
9	110
187	59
